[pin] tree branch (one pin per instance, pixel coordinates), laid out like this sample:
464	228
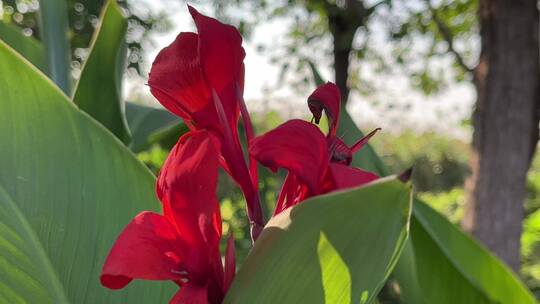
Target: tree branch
447	36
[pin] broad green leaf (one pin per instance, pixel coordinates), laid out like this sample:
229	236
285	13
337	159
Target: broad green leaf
28	47
26	274
54	36
73	183
466	272
336	248
144	121
98	91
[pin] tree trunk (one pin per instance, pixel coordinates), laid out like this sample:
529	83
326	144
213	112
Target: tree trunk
341	68
343	23
505	124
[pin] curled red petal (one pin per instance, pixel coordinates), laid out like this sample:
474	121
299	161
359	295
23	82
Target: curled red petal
363	141
187	188
344	177
326	97
146	249
190	293
176	78
297	146
221	51
222	55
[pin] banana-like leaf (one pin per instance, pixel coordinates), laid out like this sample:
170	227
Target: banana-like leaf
69	188
452	268
440	263
336	248
28	47
145	122
98	91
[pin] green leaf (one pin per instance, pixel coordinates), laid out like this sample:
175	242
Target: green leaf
54	36
73	183
99	89
456	269
28	47
144	121
27	275
336	248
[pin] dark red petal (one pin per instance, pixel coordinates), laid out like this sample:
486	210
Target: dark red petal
190	293
363	141
176	78
297	146
230	264
348	177
187	188
146	249
326	97
292	192
339	151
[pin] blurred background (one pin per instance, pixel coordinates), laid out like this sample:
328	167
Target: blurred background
453	84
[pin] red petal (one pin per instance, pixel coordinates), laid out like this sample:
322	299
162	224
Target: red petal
146	249
363	141
326	97
296	145
220	48
348	177
230	263
292	192
222	56
187	188
339	151
190	293
176	78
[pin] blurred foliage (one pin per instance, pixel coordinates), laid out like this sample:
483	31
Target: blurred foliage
448	27
444	33
83	16
308	38
440	163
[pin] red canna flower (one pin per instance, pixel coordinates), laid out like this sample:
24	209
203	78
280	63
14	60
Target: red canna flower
200	77
181	245
317	164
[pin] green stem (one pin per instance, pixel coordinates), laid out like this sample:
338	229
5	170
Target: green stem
54	35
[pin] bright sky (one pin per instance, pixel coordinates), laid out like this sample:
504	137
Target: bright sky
410	109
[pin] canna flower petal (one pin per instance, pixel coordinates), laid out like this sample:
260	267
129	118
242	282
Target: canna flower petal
296	145
176	78
326	97
221	55
230	263
220	50
191	294
184	74
187	188
344	177
146	249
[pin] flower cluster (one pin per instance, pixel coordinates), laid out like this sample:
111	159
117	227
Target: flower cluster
200	78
